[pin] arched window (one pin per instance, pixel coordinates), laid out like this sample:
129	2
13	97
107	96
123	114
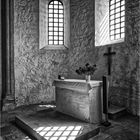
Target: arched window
110	25
55	23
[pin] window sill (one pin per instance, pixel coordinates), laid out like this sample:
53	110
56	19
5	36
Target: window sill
54	47
111	42
116	41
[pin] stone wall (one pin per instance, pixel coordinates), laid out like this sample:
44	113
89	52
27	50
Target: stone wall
82	35
35	69
124	89
124	86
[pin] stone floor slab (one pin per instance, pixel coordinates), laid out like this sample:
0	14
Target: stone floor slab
123	128
55	125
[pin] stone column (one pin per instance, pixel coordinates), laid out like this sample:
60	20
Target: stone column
8	59
0	63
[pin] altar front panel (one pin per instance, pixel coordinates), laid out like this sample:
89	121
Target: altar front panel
72	103
79	99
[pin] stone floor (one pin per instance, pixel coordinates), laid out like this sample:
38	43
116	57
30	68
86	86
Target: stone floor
11	132
123	128
53	125
8	131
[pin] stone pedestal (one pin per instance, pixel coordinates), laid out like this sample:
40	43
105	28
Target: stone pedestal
79	99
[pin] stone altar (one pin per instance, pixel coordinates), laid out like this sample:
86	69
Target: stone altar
79	99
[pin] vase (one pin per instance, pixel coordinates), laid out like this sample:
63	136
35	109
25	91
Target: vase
87	77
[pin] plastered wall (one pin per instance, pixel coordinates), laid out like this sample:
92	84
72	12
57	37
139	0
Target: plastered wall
35	69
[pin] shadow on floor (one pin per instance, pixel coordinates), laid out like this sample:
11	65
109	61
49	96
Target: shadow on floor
54	125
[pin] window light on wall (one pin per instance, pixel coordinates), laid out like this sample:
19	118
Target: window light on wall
117	19
56	23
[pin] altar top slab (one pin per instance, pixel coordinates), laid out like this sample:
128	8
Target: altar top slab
76	84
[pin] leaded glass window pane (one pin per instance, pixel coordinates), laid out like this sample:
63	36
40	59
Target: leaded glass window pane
117	19
56	23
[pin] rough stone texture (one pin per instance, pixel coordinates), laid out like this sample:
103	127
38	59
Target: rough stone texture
82	35
35	69
124	90
10	132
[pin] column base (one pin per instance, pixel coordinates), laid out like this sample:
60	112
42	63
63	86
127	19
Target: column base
8	103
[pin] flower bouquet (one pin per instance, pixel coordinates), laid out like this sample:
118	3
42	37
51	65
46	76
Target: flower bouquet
87	70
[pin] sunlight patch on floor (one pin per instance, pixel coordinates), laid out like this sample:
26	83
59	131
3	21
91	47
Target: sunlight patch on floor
26	138
59	132
47	106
